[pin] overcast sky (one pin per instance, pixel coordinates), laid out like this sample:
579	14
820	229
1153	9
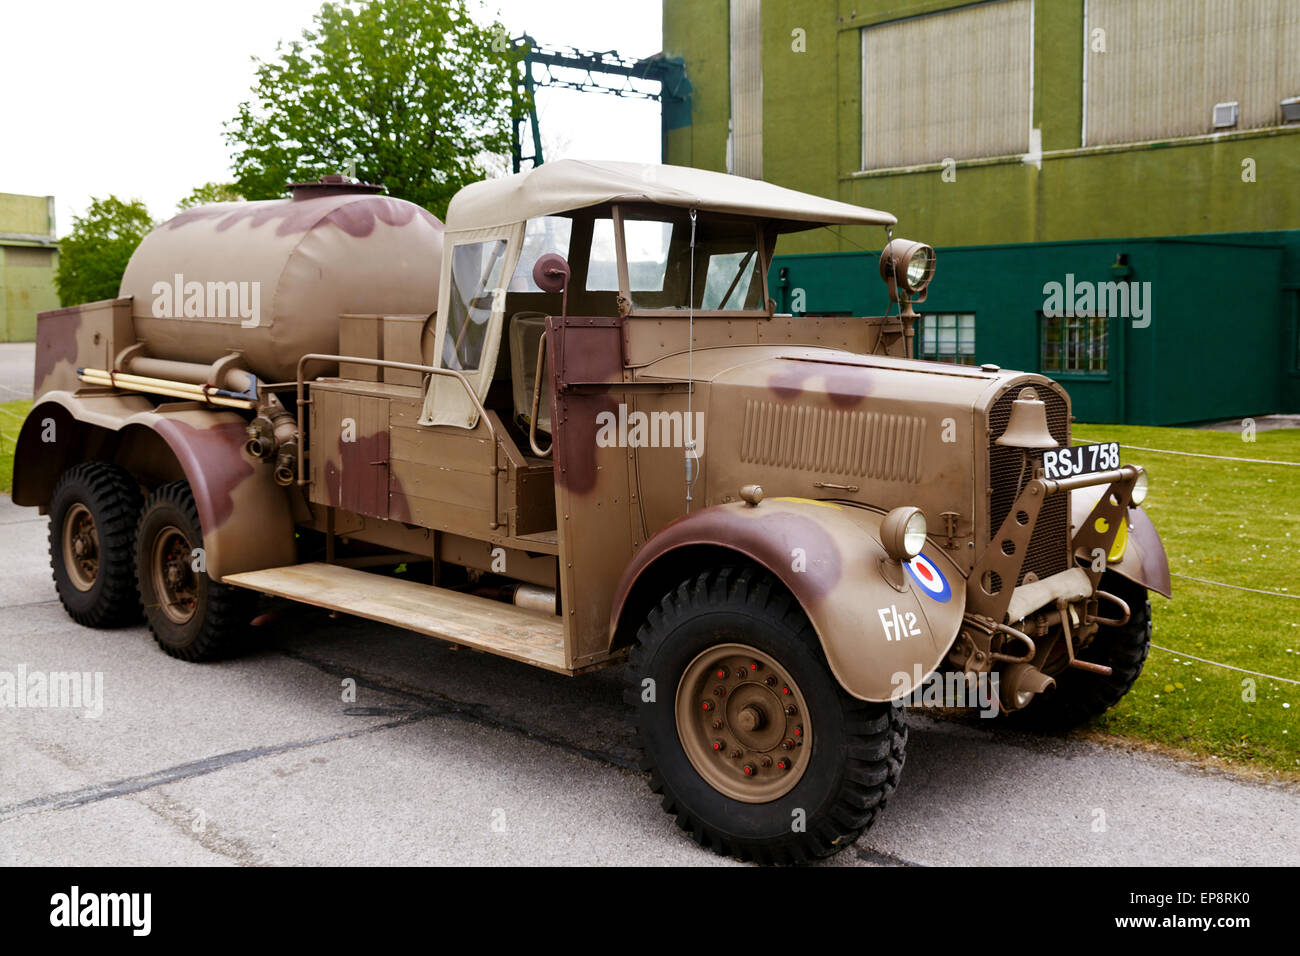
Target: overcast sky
129	97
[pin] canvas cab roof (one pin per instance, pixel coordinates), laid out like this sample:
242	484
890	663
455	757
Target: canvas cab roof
569	184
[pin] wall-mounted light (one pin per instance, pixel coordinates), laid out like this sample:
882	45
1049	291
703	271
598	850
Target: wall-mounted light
1225	115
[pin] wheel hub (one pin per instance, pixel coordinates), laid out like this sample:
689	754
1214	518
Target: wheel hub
743	723
80	547
175	581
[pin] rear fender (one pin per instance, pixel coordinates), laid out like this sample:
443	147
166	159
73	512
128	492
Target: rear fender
246	518
1144	560
881	641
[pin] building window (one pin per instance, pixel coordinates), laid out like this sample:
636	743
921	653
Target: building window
947	337
950	85
1075	344
1156	68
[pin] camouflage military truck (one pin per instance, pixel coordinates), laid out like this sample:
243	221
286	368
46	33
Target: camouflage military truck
571	428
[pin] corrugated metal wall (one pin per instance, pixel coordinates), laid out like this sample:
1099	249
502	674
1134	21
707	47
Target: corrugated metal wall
956	84
746	145
1167	62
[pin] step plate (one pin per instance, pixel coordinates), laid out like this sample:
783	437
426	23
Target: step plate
481	623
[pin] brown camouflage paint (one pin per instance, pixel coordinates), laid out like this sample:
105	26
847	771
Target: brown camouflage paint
213	463
357	218
353	476
56	341
845	386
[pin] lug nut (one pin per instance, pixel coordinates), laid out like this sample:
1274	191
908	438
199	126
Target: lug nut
717	725
798	731
718	745
735	754
791	710
766	761
750	770
721	674
707	705
787	744
783	763
740	673
754	665
719	691
770	680
785	690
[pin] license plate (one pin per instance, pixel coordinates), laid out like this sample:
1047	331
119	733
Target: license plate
1080	460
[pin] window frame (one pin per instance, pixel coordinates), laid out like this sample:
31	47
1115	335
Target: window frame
1064	374
762	240
919	337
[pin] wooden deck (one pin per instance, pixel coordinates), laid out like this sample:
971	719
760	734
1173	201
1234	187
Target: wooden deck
477	622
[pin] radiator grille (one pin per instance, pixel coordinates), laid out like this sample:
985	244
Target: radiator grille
834	442
1049	545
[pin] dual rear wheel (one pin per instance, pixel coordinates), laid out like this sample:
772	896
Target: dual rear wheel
117	557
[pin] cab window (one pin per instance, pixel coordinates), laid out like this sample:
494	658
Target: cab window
475	281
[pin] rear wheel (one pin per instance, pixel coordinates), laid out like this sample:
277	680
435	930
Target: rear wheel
191	616
1081	695
756	749
93	512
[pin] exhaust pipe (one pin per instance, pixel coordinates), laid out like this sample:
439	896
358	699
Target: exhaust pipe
536	598
1019	683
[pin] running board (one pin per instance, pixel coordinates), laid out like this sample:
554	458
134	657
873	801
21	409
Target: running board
478	622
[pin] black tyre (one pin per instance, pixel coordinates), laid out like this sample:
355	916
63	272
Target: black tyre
757	751
93	513
191	616
1082	695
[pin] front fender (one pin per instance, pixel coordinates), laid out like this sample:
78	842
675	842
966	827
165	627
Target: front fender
881	641
246	518
1144	560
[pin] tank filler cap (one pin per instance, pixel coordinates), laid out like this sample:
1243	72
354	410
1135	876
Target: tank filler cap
332	185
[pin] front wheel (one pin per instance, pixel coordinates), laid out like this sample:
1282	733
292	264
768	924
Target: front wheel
192	617
756	749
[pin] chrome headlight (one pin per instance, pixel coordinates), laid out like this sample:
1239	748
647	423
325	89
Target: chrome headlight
903	533
1140	488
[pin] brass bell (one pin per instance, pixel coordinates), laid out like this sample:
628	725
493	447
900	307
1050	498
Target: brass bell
1027	427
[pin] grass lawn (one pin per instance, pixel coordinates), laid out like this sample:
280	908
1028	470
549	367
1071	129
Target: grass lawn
11	422
1237	523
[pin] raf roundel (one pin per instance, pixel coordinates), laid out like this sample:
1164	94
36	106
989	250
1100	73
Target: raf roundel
929	577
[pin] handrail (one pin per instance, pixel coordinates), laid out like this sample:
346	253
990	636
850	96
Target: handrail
407	366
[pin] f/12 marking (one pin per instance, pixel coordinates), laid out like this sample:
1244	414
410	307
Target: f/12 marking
896	625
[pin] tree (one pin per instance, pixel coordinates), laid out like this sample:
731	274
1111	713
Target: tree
209	193
94	255
411	94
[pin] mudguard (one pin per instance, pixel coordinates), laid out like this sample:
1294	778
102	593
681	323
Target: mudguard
881	641
247	519
1144	560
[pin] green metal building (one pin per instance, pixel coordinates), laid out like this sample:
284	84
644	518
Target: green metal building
1113	186
29	255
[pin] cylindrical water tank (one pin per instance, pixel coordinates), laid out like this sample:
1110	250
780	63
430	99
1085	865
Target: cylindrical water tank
270	279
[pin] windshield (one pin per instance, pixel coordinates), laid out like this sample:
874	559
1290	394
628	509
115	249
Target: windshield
728	265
